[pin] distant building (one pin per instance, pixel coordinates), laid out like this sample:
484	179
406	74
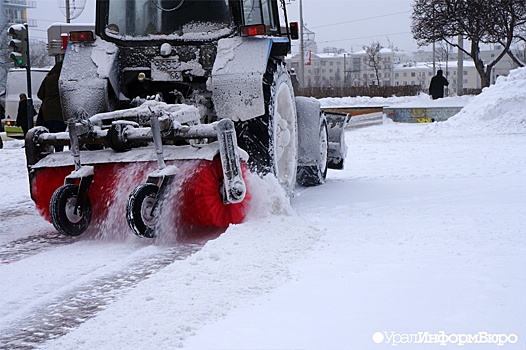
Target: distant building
337	68
363	71
15	11
12	12
412	73
420	73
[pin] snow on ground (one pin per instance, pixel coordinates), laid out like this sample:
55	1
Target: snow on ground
422	100
424	231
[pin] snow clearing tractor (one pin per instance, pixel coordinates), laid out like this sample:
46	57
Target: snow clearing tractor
169	105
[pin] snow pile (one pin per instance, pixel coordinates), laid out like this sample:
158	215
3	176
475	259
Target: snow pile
12	144
365	101
421	101
425	101
500	108
268	198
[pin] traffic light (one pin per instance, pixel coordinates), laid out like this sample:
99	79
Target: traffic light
19	43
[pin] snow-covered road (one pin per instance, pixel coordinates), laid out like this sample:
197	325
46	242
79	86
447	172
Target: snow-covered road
424	231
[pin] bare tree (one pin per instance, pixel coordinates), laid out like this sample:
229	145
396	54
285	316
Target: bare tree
39	55
5	51
511	17
373	58
479	21
519	54
444	52
38	51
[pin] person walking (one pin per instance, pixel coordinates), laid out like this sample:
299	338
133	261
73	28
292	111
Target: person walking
51	107
21	116
2	117
436	88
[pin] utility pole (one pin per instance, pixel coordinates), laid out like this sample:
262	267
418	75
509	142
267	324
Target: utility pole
21	58
344	69
434	60
434	39
460	66
302	49
68	12
28	82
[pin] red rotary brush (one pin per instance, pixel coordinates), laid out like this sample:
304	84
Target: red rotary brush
201	202
46	181
44	184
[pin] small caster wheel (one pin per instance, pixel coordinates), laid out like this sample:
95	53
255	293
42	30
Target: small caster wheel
68	217
140	213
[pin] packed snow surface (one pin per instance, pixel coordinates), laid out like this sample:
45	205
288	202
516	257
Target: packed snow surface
420	101
420	238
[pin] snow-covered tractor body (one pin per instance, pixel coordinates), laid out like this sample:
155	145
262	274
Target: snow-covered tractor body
170	105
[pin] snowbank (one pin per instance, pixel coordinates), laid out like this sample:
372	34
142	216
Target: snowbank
425	101
500	108
420	101
365	101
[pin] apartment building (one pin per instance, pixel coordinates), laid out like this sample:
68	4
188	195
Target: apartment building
420	73
325	69
12	12
338	68
15	11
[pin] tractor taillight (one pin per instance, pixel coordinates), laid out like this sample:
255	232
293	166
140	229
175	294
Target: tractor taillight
294	31
253	30
64	38
81	36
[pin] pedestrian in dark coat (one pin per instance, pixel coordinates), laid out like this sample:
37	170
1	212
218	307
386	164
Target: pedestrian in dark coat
51	107
436	88
21	116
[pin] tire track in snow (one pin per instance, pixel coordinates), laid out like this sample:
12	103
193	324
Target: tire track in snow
32	245
19	209
70	310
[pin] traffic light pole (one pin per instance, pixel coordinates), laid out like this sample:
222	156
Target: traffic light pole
20	55
29	90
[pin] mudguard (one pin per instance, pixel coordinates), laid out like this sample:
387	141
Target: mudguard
88	73
336	123
309	122
237	76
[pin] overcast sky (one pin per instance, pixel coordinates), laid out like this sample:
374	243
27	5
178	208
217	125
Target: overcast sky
48	12
347	24
351	24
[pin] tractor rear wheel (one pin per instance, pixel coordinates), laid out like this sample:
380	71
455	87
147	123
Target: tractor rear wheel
68	218
271	139
140	213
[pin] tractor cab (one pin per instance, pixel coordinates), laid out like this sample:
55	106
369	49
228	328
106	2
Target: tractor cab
170	47
183	21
